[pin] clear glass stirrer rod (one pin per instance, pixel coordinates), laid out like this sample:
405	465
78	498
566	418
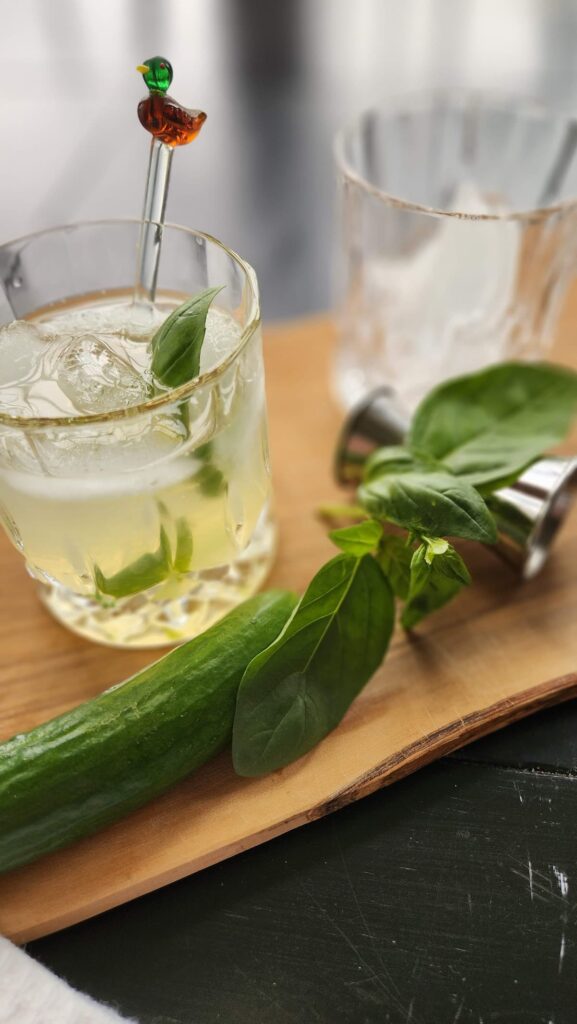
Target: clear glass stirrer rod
148	255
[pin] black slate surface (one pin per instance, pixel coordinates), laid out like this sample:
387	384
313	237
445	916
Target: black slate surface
544	742
449	897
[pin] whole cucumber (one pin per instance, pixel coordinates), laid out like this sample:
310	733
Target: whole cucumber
78	772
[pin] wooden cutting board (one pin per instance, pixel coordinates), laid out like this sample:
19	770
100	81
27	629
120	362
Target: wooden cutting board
503	650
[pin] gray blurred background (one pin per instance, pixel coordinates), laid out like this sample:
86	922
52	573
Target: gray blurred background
277	78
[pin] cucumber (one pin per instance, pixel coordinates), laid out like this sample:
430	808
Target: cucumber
78	772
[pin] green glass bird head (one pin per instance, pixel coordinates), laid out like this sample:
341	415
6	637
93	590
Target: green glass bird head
157	73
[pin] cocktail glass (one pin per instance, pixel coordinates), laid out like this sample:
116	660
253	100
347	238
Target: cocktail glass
142	525
459	217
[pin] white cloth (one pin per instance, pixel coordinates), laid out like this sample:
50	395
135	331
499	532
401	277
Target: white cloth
31	994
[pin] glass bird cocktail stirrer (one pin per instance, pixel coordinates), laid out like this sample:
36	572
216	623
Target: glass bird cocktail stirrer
170	125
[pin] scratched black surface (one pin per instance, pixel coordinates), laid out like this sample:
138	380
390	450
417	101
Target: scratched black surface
450	897
447	898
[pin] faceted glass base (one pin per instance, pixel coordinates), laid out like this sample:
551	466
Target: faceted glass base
173	611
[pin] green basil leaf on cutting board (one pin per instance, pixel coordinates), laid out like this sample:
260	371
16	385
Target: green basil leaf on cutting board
357	540
395	459
394	557
435	546
487	427
437	504
434	580
300	687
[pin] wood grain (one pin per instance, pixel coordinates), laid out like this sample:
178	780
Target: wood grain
504	650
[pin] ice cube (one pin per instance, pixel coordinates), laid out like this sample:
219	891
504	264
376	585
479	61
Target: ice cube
122	320
97	380
138	322
21	350
221	338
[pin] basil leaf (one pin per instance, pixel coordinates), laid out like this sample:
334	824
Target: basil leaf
177	344
433	583
489	426
395	459
394	558
435	546
360	539
204	453
436	503
299	688
210	480
184	546
488	488
390	459
144	572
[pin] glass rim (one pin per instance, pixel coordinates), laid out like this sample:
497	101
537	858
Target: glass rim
459	98
176	394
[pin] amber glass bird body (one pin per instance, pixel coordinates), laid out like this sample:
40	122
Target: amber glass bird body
168	121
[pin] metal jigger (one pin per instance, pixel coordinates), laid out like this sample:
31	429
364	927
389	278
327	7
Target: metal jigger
528	514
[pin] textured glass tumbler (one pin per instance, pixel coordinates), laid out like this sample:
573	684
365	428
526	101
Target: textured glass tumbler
146	524
459	221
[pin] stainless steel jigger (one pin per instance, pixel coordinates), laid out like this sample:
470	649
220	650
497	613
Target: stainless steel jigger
528	514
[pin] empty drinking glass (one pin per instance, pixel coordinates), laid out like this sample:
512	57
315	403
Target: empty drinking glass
460	227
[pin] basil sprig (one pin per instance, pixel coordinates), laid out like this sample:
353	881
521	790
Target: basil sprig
468	438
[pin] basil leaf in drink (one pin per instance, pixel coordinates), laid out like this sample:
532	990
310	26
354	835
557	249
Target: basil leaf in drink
487	427
435	579
357	540
177	344
300	687
184	546
144	572
394	558
204	453
436	503
210	480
